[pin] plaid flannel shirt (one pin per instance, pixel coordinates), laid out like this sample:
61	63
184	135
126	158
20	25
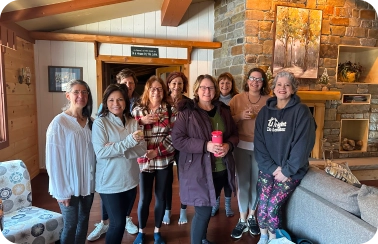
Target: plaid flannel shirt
157	136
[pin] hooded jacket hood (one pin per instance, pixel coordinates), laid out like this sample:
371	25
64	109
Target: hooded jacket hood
271	103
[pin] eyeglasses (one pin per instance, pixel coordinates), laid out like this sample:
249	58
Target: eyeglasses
80	92
154	89
257	79
204	88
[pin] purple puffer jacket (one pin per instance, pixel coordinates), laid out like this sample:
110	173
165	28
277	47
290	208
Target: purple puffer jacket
190	134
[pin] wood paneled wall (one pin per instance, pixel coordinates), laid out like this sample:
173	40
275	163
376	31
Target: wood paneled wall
21	108
197	25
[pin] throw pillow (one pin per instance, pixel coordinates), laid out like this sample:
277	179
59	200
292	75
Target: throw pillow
367	201
335	191
342	172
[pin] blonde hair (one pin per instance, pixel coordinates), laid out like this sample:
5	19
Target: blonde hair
198	83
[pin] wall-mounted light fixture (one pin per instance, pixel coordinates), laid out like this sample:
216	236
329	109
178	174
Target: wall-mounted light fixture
25	76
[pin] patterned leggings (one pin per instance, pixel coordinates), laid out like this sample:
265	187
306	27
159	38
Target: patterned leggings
272	195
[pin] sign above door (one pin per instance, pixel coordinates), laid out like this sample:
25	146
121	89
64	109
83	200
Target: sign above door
150	52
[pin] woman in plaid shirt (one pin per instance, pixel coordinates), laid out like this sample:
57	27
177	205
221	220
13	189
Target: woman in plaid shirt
157	117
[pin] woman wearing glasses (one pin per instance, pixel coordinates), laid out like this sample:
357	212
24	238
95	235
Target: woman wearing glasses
244	108
70	161
203	175
157	117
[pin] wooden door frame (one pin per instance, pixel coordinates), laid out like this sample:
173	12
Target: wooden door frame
103	59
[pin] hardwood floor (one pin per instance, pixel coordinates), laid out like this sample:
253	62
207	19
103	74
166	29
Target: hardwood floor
219	230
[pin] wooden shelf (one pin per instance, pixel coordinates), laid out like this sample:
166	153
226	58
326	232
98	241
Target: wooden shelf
354	99
354	129
366	56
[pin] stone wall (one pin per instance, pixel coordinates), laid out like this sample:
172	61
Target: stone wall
246	30
229	28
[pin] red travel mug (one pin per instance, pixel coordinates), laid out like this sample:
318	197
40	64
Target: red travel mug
217	137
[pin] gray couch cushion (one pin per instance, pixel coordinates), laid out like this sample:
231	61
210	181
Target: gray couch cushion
367	201
310	216
341	194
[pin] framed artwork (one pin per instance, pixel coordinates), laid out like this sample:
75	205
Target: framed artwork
59	76
297	41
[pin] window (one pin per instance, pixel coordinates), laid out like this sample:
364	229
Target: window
4	137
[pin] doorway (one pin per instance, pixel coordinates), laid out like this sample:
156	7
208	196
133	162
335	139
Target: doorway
143	73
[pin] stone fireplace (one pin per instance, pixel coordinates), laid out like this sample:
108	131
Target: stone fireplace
246	30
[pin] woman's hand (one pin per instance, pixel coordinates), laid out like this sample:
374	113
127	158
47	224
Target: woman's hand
212	147
151	154
225	147
148	119
280	177
65	202
277	170
138	137
246	114
217	148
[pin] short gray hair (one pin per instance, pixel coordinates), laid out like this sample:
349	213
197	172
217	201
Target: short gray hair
290	76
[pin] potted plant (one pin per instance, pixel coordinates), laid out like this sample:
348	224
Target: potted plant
349	72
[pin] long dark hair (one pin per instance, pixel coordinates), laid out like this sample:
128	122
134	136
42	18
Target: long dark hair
109	90
265	89
87	110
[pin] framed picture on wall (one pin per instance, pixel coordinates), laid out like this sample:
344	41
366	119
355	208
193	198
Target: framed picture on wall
297	41
59	76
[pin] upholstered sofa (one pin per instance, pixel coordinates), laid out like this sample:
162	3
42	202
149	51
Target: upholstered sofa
24	223
326	210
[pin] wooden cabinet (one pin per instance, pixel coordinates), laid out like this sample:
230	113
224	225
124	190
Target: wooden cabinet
366	56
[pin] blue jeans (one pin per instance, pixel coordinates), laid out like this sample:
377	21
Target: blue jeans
75	218
117	205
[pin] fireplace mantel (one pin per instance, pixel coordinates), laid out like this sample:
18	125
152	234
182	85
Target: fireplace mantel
311	96
317	100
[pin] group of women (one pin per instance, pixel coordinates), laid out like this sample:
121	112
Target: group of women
266	142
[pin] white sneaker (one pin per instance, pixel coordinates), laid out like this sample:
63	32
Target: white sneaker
100	229
130	227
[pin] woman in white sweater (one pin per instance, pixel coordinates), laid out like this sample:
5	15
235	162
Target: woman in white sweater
117	142
70	162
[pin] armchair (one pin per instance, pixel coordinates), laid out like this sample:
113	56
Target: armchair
24	223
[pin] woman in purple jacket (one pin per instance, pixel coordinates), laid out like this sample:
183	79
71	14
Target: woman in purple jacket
202	175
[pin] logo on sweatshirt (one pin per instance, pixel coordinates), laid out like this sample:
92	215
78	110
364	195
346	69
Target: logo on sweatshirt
275	126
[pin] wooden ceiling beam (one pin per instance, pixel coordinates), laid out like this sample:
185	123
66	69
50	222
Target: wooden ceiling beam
53	36
53	9
19	31
172	11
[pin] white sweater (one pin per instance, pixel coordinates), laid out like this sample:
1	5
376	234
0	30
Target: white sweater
117	169
70	158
